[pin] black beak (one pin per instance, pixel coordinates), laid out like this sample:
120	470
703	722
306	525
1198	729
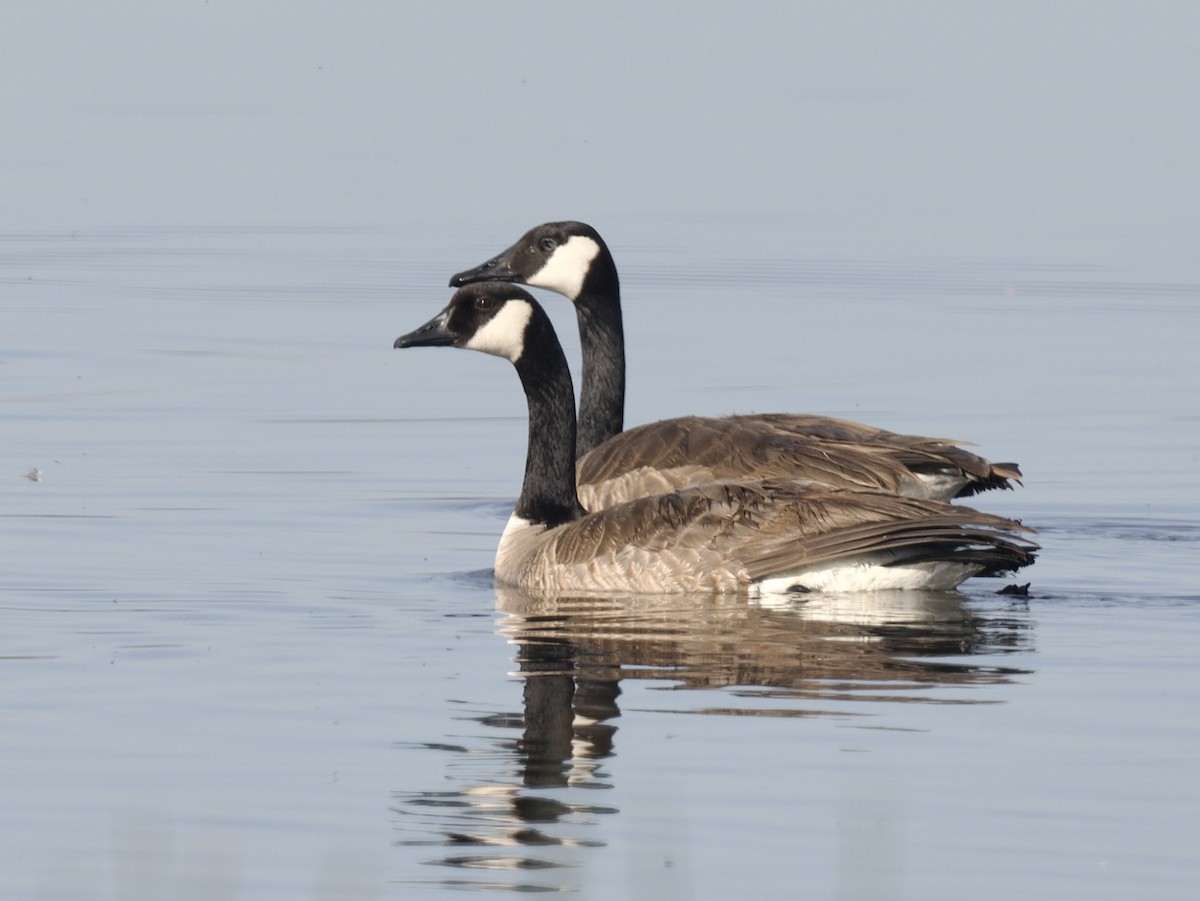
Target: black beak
433	333
497	269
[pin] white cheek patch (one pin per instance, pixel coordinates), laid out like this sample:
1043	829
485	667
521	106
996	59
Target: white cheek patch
567	267
504	334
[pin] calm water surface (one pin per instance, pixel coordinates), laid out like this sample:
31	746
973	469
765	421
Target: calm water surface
250	643
252	649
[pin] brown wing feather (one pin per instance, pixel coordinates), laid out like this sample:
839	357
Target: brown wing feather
726	449
727	534
691	450
838	526
918	453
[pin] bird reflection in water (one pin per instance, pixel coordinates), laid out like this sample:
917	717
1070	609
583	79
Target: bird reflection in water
527	801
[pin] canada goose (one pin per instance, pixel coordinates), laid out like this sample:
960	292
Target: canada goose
572	259
722	536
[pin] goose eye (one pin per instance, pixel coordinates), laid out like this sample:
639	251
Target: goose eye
548	244
483	304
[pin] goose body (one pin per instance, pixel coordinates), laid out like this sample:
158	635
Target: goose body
750	535
760	538
572	259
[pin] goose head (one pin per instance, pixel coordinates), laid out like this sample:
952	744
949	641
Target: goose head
570	258
503	320
491	317
557	256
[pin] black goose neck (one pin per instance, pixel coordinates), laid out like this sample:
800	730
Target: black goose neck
548	494
602	341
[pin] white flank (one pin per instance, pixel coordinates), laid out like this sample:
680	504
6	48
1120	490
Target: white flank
868	575
504	334
567	267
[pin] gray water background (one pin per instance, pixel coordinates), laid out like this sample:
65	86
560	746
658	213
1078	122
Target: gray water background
248	644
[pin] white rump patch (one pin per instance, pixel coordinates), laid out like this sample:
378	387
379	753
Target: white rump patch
504	334
567	267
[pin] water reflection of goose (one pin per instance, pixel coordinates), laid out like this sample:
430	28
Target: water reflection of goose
572	259
527	810
805	645
758	536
